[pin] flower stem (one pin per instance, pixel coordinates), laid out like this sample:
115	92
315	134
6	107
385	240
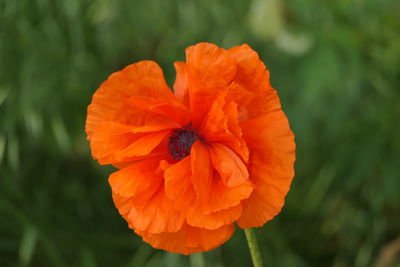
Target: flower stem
197	260
253	246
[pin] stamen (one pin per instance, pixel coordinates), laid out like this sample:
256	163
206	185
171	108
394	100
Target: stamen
181	141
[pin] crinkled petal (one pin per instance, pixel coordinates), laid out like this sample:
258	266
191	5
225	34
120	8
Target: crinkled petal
196	217
138	180
212	193
181	84
231	168
131	102
108	138
157	215
113	142
189	239
210	63
221	125
139	196
253	76
251	71
123	205
143	145
237	144
110	102
209	69
202	171
179	188
160	151
170	109
223	197
272	156
178	184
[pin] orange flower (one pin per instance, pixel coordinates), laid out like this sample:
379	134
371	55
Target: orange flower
191	164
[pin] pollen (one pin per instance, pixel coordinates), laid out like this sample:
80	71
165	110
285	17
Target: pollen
181	141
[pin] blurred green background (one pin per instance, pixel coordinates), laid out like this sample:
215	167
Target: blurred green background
335	64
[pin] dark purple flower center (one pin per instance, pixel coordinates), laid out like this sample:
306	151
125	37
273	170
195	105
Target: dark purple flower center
181	141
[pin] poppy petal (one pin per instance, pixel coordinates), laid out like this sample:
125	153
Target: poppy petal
196	217
114	142
221	125
181	83
157	215
272	155
142	145
189	239
138	180
159	152
202	171
110	102
238	144
223	197
210	63
210	69
212	193
109	137
181	190
141	199
231	168
251	71
252	75
168	108
178	185
123	204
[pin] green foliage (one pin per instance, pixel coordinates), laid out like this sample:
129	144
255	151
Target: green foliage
335	65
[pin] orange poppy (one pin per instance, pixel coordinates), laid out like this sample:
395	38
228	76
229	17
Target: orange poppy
217	151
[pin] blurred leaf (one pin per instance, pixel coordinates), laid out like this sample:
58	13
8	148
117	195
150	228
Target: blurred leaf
28	245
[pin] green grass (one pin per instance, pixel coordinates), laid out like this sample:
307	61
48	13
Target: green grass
335	64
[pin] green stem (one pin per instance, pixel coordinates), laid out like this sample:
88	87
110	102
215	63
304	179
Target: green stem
253	246
197	260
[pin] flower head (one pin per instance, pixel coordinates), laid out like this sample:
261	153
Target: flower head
217	151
